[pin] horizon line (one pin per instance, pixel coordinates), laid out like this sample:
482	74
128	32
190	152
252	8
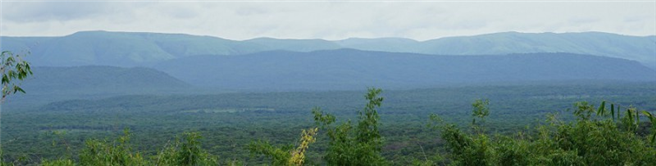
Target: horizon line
355	37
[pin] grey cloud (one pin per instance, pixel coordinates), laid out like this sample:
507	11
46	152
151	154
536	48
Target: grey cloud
174	10
580	21
327	20
248	11
633	19
54	11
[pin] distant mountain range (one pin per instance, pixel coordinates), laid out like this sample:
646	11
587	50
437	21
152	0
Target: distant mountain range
70	64
326	70
349	69
129	49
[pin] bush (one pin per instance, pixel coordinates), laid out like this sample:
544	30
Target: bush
355	146
593	139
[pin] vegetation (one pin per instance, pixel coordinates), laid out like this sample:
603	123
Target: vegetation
13	69
286	155
359	146
592	136
82	127
77	130
185	151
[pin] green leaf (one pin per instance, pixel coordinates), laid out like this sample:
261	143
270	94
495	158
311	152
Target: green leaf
649	115
630	115
5	79
18	89
612	111
600	111
619	111
637	118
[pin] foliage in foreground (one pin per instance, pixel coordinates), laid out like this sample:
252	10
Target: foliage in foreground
359	146
286	155
185	151
598	136
13	69
348	146
595	138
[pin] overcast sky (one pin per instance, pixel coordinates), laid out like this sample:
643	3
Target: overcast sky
420	20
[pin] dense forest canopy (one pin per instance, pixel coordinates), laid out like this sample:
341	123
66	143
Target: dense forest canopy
222	126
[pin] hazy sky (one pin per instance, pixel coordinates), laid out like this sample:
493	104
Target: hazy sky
239	20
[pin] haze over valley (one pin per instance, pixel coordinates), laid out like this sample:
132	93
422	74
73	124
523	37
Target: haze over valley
269	64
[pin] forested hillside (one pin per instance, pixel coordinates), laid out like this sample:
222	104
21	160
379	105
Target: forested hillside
640	49
349	69
99	79
92	82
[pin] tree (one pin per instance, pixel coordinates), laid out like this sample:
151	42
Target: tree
355	146
185	151
481	111
119	152
13	68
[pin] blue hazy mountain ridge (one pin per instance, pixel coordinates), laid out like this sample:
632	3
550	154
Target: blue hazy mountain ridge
642	49
299	45
49	84
99	79
381	44
355	69
128	49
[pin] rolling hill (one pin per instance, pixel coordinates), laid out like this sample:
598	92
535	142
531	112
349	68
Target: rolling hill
50	84
641	49
125	49
99	79
347	69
